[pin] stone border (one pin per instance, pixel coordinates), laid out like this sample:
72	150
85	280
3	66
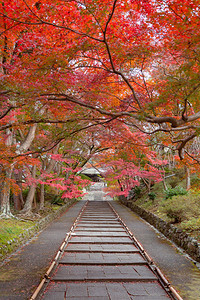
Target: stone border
30	232
178	236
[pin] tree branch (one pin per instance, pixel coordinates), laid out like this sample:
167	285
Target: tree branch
191	156
65	97
6	112
174	122
183	143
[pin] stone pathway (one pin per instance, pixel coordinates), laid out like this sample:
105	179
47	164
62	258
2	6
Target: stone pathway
101	261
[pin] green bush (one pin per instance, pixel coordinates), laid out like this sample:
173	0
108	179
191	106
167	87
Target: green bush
152	196
176	178
137	191
173	211
195	181
191	225
178	190
57	200
182	208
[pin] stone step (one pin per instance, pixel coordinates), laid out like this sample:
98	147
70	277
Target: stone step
104	229
93	240
107	248
103	273
99	234
102	258
105	291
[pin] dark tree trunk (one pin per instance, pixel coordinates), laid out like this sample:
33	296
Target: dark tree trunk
30	197
18	199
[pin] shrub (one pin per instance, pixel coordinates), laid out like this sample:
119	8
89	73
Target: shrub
176	178
191	225
57	200
195	181
173	211
137	191
178	190
152	196
182	208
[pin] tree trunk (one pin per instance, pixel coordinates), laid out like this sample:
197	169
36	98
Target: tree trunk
29	200
5	199
30	197
164	184
5	203
42	197
164	181
121	188
148	184
5	188
188	182
28	140
18	199
48	169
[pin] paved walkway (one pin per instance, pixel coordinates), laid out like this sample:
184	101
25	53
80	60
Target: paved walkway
102	265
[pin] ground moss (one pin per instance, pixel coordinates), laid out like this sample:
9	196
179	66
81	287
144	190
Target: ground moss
11	228
11	232
15	232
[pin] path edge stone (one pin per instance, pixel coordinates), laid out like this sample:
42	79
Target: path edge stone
176	235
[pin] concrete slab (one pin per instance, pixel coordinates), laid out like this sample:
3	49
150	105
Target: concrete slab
99	229
102	258
99	220
113	217
103	273
90	214
54	296
104	222
91	290
101	248
102	240
99	215
85	225
99	234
